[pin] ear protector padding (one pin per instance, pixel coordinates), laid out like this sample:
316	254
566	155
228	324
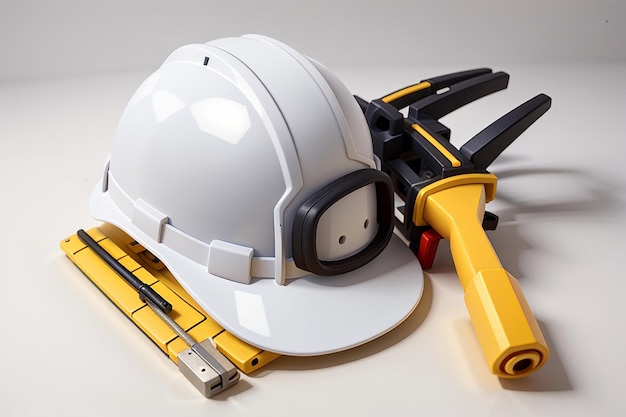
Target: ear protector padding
304	235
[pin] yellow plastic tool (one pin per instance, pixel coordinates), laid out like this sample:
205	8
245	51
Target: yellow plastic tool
185	311
505	326
445	190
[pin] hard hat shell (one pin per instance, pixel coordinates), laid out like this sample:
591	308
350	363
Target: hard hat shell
212	158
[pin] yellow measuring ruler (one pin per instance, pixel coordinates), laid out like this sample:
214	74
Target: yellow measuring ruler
185	311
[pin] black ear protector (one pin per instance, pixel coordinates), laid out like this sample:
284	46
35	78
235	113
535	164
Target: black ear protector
304	232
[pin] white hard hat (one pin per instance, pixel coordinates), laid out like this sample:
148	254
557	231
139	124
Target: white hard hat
248	169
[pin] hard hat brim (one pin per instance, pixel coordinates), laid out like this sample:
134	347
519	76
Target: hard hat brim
308	316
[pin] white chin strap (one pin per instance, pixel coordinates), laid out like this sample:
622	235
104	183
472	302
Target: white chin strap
224	259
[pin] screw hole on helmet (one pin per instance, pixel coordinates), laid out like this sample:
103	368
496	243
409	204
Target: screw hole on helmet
342	239
366	223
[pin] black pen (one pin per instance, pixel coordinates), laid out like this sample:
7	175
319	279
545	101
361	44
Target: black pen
145	291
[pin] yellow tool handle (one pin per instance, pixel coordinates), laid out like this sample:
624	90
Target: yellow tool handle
505	326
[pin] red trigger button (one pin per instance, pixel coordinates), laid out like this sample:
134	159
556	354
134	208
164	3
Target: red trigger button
429	241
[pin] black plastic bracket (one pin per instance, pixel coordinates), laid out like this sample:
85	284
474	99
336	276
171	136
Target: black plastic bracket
415	150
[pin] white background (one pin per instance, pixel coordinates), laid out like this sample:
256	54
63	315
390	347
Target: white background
67	69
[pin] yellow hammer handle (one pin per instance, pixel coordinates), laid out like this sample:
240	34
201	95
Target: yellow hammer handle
506	328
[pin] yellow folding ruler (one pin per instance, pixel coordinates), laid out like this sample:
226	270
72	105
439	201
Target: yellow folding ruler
185	311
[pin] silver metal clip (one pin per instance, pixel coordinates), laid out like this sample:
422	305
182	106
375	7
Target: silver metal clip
207	369
202	364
